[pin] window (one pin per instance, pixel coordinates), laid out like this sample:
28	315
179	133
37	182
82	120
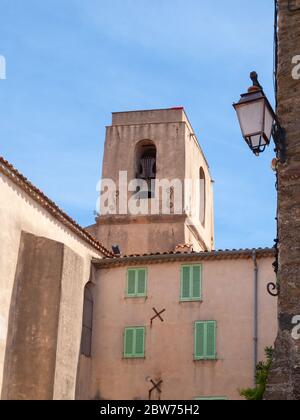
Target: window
202	197
191	283
211	398
145	167
205	340
136	282
134	342
87	321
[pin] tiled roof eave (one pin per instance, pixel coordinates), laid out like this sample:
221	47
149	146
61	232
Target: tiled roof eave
134	260
39	197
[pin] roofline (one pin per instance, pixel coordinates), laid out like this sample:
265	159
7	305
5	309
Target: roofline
160	258
39	197
151	110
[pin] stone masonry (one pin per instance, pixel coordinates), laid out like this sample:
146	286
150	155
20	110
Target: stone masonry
284	381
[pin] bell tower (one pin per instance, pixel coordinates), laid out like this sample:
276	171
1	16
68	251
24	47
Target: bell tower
163	193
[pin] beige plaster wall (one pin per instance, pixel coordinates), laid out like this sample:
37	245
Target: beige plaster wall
69	326
228	298
31	343
178	157
194	160
139	234
18	212
121	141
119	155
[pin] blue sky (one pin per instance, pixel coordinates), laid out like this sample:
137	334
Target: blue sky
70	63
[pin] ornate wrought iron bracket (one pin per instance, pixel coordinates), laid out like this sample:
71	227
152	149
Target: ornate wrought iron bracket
273	289
278	134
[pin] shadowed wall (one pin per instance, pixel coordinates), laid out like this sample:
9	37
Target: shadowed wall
33	321
44	322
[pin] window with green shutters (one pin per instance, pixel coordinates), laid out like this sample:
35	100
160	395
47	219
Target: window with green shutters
191	283
136	282
134	342
205	340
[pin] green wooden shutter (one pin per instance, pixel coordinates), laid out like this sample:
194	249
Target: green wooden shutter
131	282
205	340
129	342
136	282
191	283
199	340
185	282
211	340
141	282
134	342
196	282
139	342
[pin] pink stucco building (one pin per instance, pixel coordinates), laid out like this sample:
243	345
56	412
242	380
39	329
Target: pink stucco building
216	320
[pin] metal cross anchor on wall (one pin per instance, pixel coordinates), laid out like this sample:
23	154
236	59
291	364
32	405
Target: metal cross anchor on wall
157	387
157	315
274	288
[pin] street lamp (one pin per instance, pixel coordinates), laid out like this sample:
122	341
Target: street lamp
258	121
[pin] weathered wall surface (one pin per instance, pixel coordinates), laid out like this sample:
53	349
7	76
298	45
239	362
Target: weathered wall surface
284	383
228	298
18	212
33	321
69	326
84	390
194	160
140	234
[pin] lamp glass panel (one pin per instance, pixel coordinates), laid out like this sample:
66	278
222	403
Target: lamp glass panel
255	140
251	117
269	120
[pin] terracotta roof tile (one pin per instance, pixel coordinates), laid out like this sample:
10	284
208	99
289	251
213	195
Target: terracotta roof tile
186	256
